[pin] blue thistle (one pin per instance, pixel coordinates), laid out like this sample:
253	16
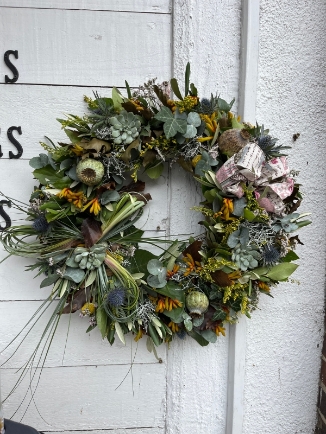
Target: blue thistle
116	297
40	224
181	334
206	106
265	142
270	255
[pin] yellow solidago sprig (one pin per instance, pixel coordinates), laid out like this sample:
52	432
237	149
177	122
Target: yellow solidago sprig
187	104
214	264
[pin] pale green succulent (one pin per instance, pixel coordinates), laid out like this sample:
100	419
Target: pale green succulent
124	128
87	259
245	257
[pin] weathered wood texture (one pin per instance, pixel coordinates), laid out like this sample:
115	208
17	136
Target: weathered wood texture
60	51
155	6
86	397
285	334
207	35
81	47
71	345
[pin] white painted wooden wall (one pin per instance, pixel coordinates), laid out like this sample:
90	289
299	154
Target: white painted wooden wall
70	48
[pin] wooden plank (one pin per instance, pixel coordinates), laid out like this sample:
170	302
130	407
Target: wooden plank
71	345
154	6
247	110
156	430
86	398
74	47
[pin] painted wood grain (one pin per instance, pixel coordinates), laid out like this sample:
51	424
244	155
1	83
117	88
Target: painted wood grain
157	430
208	35
81	47
86	398
71	346
155	6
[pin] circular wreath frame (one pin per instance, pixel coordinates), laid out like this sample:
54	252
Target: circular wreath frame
83	216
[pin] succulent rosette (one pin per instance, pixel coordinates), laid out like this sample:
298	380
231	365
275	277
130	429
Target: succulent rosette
83	216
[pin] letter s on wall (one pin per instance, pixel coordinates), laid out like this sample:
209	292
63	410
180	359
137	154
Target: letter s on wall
4	215
11	66
15	142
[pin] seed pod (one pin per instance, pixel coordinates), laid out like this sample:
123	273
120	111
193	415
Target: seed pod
197	303
232	141
90	171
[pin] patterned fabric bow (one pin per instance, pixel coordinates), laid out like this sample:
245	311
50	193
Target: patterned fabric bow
249	164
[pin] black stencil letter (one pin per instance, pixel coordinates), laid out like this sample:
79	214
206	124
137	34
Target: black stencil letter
4	215
15	142
11	66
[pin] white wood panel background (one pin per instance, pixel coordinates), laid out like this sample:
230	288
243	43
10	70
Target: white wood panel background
156	6
82	47
61	50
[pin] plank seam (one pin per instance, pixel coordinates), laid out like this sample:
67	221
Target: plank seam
105	430
88	10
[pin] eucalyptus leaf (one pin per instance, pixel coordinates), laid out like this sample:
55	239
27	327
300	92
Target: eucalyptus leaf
155	266
52	278
194	119
190	132
74	274
209	335
188	324
110	196
197	322
239	206
155	282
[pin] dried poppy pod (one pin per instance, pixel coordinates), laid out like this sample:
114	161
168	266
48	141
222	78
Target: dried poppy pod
197	303
90	171
232	141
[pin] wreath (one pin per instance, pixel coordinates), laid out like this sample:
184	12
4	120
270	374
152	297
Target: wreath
82	217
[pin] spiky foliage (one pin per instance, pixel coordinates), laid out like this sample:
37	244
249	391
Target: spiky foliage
268	144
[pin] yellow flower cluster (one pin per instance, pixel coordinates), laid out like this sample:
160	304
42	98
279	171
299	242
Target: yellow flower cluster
76	198
234	291
94	205
226	210
219	329
173	326
210	122
88	309
213	264
191	265
188	103
166	303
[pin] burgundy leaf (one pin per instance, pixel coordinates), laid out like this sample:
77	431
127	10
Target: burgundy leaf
193	250
79	298
221	278
91	231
